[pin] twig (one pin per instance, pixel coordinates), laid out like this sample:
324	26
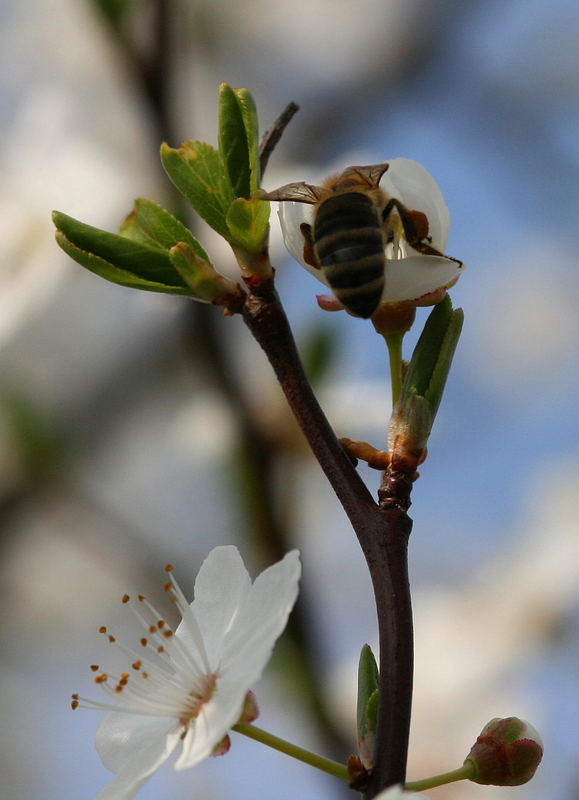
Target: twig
274	134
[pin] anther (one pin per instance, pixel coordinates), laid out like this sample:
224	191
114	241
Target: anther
144	641
94	667
103	629
125	598
169	568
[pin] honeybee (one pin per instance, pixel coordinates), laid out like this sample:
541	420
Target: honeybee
353	222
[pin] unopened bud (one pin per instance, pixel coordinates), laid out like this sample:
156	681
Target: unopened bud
200	275
507	753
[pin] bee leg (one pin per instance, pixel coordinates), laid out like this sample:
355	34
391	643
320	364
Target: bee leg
309	253
415	226
377	459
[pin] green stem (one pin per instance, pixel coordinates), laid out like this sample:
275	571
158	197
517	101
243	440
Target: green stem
394	343
314	760
465	772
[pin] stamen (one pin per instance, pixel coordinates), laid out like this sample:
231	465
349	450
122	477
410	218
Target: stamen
178	686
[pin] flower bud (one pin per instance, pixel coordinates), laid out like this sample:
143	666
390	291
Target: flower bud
507	753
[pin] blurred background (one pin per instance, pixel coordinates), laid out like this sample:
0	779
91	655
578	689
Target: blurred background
138	429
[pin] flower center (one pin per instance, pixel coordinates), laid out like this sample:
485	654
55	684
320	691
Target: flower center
195	701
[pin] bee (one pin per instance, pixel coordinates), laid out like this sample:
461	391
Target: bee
353	222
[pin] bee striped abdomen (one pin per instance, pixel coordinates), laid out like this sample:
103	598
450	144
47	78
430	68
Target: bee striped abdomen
349	246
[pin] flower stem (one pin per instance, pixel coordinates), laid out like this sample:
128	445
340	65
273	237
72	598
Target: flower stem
394	343
314	760
462	773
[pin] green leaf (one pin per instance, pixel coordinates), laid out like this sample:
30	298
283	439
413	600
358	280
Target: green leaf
112	273
251	123
248	223
152	225
233	143
198	171
368	682
430	364
118	258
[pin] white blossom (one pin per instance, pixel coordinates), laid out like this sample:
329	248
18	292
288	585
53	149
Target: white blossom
188	687
397	793
409	275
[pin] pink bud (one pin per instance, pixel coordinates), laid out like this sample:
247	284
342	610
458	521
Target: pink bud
507	753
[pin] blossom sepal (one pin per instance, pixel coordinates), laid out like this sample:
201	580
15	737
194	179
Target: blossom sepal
250	711
118	258
222	748
507	753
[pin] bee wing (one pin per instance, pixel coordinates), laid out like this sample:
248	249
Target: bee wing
298	192
372	173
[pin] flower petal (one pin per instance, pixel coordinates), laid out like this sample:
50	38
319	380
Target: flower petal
134	747
291	215
412	184
261	619
411	278
220	588
398	793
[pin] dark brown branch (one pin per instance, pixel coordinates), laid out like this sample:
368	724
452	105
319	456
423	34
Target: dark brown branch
266	319
382	531
274	134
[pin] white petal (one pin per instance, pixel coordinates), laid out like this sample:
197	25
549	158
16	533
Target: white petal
414	277
213	723
291	215
397	793
134	747
261	619
220	588
412	184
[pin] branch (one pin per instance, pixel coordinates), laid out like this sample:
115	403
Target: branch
382	531
264	316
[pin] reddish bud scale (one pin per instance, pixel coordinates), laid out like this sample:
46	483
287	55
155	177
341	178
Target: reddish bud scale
507	753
